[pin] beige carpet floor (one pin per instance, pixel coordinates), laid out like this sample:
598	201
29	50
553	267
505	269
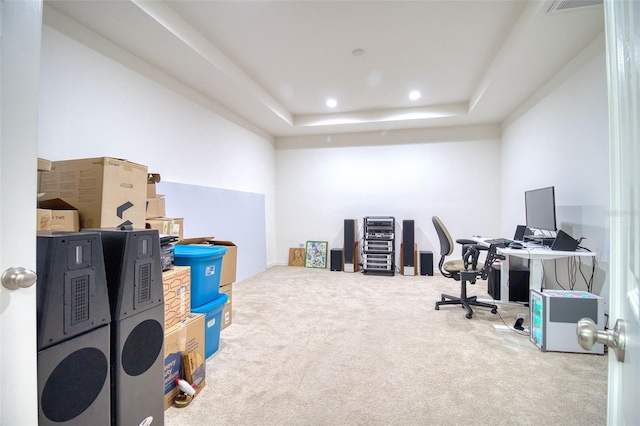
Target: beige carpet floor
315	347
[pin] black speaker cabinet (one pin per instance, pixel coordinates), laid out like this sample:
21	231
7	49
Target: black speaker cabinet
336	260
426	263
518	283
134	279
72	311
350	250
73	381
408	248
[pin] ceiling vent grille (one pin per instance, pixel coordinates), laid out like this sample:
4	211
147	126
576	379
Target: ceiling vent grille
559	6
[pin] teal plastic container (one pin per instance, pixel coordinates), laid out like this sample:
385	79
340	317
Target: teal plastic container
206	268
213	319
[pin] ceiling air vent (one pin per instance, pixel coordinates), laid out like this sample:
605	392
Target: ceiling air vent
567	5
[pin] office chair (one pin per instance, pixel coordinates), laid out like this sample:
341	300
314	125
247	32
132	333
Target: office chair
465	270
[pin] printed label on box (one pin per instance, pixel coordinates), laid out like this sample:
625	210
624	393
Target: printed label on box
172	370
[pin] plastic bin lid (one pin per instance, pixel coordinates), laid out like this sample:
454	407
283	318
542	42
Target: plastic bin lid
211	306
190	251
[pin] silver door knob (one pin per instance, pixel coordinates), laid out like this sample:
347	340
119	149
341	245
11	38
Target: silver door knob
589	335
18	277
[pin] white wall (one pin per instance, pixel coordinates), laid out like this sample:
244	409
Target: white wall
92	106
318	187
563	142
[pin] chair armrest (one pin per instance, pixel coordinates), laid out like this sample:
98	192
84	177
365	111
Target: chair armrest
476	244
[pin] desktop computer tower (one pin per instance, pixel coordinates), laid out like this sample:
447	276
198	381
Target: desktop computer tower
518	283
136	295
350	250
554	316
408	248
72	310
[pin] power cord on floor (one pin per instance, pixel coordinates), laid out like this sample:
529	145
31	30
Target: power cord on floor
511	327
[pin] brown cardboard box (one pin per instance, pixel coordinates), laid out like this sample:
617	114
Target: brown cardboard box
44	165
229	261
107	192
56	215
155	207
177	294
227	315
152	179
168	225
185	336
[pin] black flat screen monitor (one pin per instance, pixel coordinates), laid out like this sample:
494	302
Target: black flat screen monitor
540	205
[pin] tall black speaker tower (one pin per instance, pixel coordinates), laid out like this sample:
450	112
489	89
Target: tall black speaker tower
136	296
72	330
350	249
408	248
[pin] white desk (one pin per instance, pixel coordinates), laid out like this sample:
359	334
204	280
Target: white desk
536	254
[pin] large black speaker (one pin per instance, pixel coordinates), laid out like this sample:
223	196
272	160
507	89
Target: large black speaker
426	263
72	330
408	247
134	278
336	260
350	251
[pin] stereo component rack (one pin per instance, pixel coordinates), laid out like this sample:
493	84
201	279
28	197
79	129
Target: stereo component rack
379	245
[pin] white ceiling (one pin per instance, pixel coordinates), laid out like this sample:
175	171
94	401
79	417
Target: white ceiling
274	63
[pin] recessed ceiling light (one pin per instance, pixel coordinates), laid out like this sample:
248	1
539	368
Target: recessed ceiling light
415	95
331	103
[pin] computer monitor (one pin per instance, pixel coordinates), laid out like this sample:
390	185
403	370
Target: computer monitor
540	206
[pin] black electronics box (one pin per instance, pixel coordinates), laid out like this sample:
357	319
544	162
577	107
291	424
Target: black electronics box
518	283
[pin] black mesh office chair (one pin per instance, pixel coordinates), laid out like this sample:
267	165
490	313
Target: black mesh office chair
465	270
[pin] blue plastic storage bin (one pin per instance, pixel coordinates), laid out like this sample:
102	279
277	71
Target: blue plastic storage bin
213	319
206	267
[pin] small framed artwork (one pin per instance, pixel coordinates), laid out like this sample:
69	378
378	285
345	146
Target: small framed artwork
296	256
316	254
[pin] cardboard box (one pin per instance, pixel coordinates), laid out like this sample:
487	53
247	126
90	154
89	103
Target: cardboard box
155	207
185	336
168	225
228	262
227	315
107	192
152	179
177	294
56	215
44	165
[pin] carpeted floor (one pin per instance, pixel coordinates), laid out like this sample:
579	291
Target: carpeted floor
315	347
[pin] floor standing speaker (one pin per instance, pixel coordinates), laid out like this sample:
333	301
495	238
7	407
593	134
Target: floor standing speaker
136	296
72	309
350	251
426	263
408	248
336	260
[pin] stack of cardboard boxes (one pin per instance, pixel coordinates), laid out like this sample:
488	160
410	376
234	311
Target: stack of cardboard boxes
109	192
156	212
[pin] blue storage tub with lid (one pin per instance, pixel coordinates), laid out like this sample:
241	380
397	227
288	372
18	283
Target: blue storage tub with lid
206	267
213	319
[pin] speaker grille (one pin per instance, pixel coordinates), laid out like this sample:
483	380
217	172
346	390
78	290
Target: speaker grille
142	347
79	299
74	384
144	283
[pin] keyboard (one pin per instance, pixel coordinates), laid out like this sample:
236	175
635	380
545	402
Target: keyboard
500	242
